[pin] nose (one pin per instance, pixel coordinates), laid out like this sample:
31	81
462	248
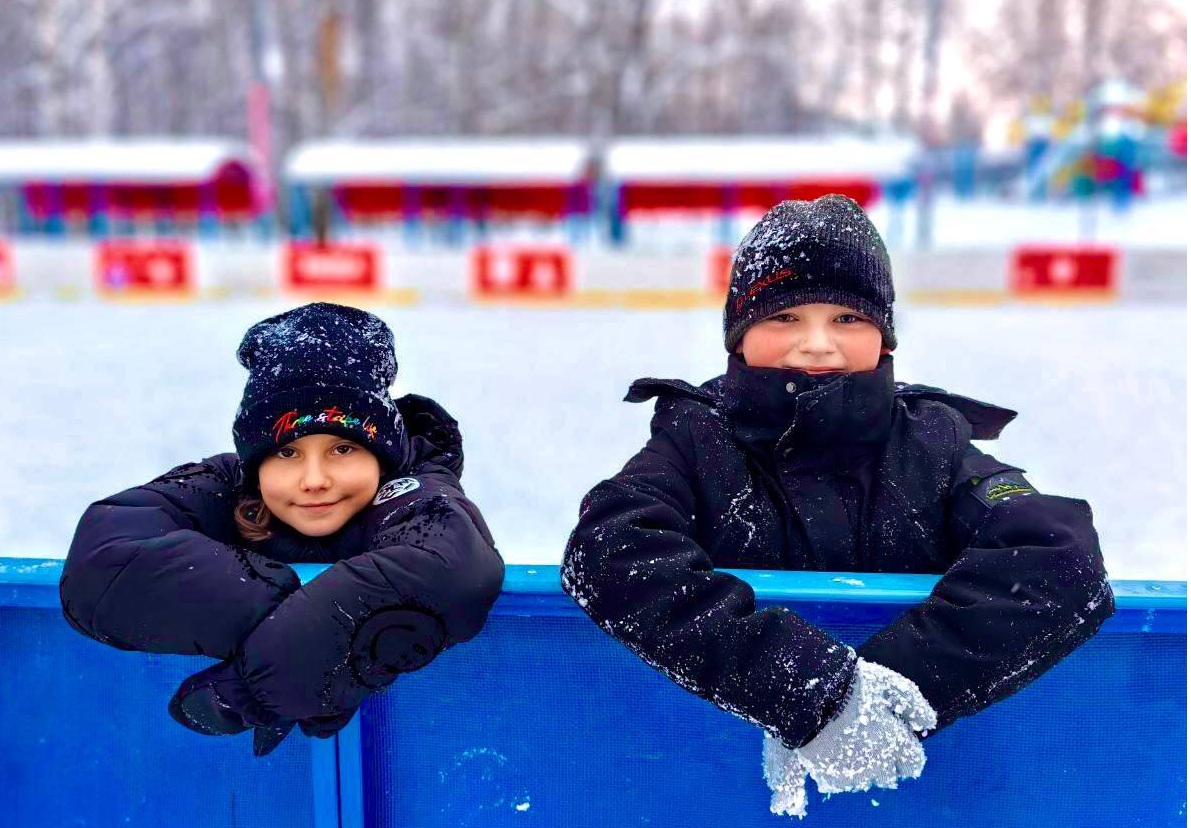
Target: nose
817	341
314	476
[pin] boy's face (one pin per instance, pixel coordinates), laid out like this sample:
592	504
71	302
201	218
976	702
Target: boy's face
317	483
817	339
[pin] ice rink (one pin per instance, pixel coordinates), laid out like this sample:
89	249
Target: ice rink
102	397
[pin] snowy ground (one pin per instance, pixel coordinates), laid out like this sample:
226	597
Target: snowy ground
103	397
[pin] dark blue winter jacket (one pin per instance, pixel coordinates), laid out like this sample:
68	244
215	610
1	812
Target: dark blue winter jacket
162	568
776	469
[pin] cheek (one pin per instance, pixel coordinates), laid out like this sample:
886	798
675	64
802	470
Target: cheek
363	479
764	348
272	485
863	349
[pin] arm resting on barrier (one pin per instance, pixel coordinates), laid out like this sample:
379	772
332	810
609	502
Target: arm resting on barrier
428	578
159	568
1026	589
634	567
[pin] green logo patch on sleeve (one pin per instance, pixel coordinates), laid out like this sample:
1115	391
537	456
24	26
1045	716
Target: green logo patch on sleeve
999	487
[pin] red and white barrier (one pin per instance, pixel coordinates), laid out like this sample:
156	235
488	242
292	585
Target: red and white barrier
330	267
719	269
8	273
1069	272
125	266
521	272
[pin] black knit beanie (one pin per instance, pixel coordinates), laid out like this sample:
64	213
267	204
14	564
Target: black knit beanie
317	369
804	252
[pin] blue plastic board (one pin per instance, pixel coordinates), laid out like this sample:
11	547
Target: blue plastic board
87	741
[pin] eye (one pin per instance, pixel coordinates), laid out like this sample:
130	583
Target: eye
849	318
348	446
783	317
281	452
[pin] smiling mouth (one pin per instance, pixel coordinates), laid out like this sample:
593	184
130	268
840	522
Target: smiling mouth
820	370
317	505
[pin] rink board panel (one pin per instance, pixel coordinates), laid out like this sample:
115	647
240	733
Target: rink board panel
543	720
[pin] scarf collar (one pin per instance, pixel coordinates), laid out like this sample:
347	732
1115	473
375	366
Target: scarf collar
780	408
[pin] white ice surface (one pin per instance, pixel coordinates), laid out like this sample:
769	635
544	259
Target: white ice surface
102	397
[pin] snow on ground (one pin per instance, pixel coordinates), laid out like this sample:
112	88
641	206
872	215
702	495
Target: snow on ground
102	397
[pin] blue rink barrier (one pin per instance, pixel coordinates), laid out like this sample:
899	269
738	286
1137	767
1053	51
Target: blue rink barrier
543	720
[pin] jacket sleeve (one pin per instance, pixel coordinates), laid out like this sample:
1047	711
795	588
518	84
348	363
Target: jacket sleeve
160	567
427	577
1026	588
635	568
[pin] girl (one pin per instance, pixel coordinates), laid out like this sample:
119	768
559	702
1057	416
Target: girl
328	468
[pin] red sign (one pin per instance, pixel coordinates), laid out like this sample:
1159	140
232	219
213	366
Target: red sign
1068	271
8	276
331	266
719	269
522	272
144	266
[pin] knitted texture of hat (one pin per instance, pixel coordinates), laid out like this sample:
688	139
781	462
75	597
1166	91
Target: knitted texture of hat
320	368
805	252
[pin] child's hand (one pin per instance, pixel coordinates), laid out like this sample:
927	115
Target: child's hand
218	702
324	727
786	775
873	740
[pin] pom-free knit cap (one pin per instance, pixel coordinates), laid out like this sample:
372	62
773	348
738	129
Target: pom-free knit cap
804	252
318	369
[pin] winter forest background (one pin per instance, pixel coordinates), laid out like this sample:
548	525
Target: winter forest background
596	68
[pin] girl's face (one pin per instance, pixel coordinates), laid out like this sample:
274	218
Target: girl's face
817	339
317	483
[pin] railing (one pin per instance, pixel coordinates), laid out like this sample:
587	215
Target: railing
543	720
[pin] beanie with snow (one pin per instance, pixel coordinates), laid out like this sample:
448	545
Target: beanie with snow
318	369
805	252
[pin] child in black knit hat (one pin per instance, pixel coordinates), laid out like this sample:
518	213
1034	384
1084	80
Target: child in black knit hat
806	455
330	469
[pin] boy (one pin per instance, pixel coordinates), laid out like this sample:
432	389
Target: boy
805	455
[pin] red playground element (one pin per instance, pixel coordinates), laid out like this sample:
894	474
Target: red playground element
719	269
638	197
530	272
544	200
8	276
310	266
1178	138
229	196
1046	271
153	266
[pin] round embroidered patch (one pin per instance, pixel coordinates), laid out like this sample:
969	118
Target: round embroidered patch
395	488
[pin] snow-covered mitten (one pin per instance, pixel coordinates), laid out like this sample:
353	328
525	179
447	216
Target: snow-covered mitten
872	741
786	777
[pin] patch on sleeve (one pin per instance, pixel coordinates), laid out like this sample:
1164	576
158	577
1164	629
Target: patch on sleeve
395	488
999	487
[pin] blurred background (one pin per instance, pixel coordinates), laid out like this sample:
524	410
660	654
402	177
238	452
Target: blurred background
541	198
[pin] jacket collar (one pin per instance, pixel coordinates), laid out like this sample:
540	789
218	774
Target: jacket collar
779	408
431	436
